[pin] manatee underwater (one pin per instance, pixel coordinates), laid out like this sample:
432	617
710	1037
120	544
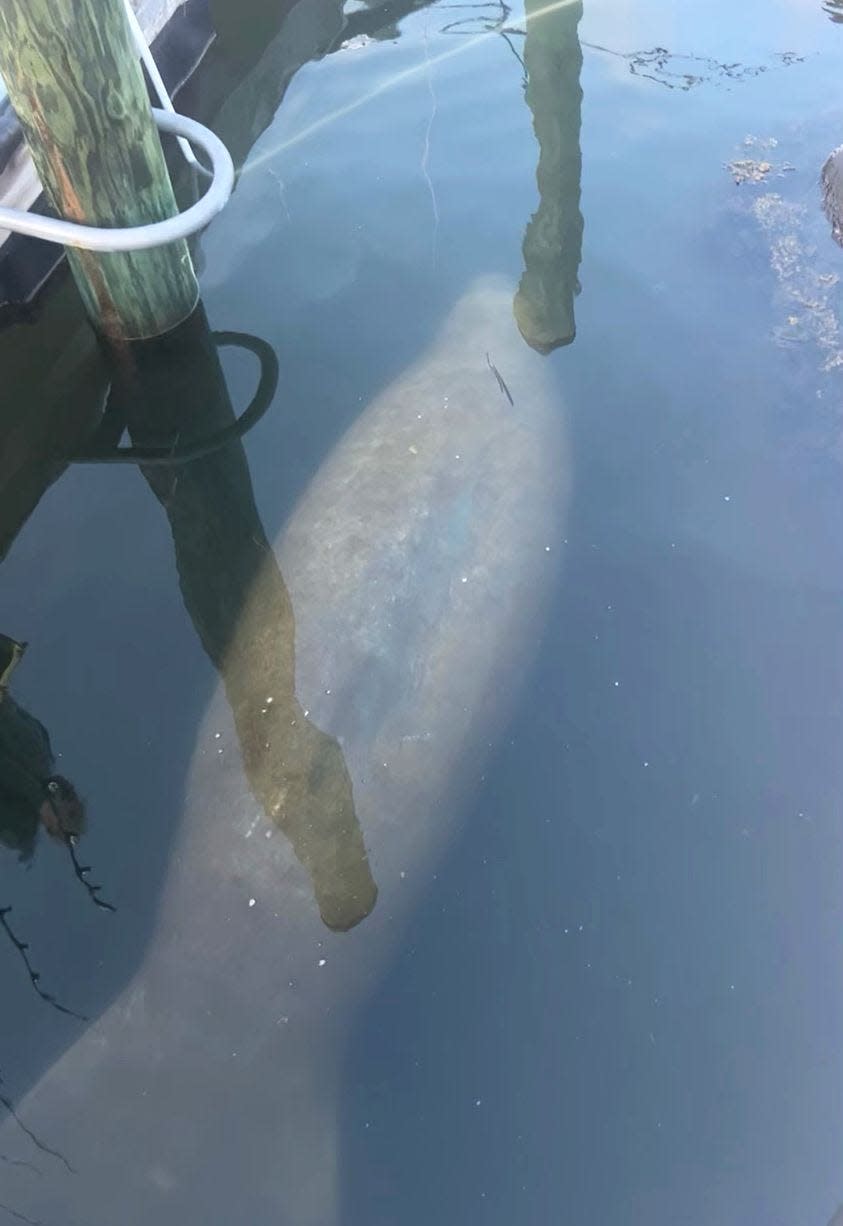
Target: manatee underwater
407	593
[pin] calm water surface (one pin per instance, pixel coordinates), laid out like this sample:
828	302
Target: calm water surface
460	734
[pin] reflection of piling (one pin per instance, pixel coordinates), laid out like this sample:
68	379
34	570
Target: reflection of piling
544	302
172	392
76	85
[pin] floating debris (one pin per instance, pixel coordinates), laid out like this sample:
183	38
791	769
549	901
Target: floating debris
746	170
810	294
678	70
757	169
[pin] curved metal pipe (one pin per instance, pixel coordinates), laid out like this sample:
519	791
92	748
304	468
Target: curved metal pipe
156	234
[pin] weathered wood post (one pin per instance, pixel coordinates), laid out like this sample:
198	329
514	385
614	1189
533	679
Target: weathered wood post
75	82
544	303
172	390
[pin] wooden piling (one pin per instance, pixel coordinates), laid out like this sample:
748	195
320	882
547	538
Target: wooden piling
75	82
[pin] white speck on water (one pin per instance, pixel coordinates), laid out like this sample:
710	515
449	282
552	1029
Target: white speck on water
306	714
264	710
327	691
252	902
419	416
726	498
219	751
413	450
464	579
547	549
731	987
646	763
565	931
617	683
216	736
283	1020
477	1102
322	961
402	874
456	457
268	834
269	700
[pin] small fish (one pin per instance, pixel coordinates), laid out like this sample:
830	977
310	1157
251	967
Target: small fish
500	379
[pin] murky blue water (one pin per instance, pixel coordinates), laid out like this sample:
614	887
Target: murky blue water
462	750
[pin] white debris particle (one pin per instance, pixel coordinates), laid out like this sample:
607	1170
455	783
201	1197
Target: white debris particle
726	498
268	834
306	714
252	902
327	691
547	549
402	874
477	1102
464	579
566	931
646	763
216	736
456	457
413	450
322	961
617	683
219	751
269	700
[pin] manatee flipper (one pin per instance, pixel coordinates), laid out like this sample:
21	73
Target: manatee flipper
11	652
